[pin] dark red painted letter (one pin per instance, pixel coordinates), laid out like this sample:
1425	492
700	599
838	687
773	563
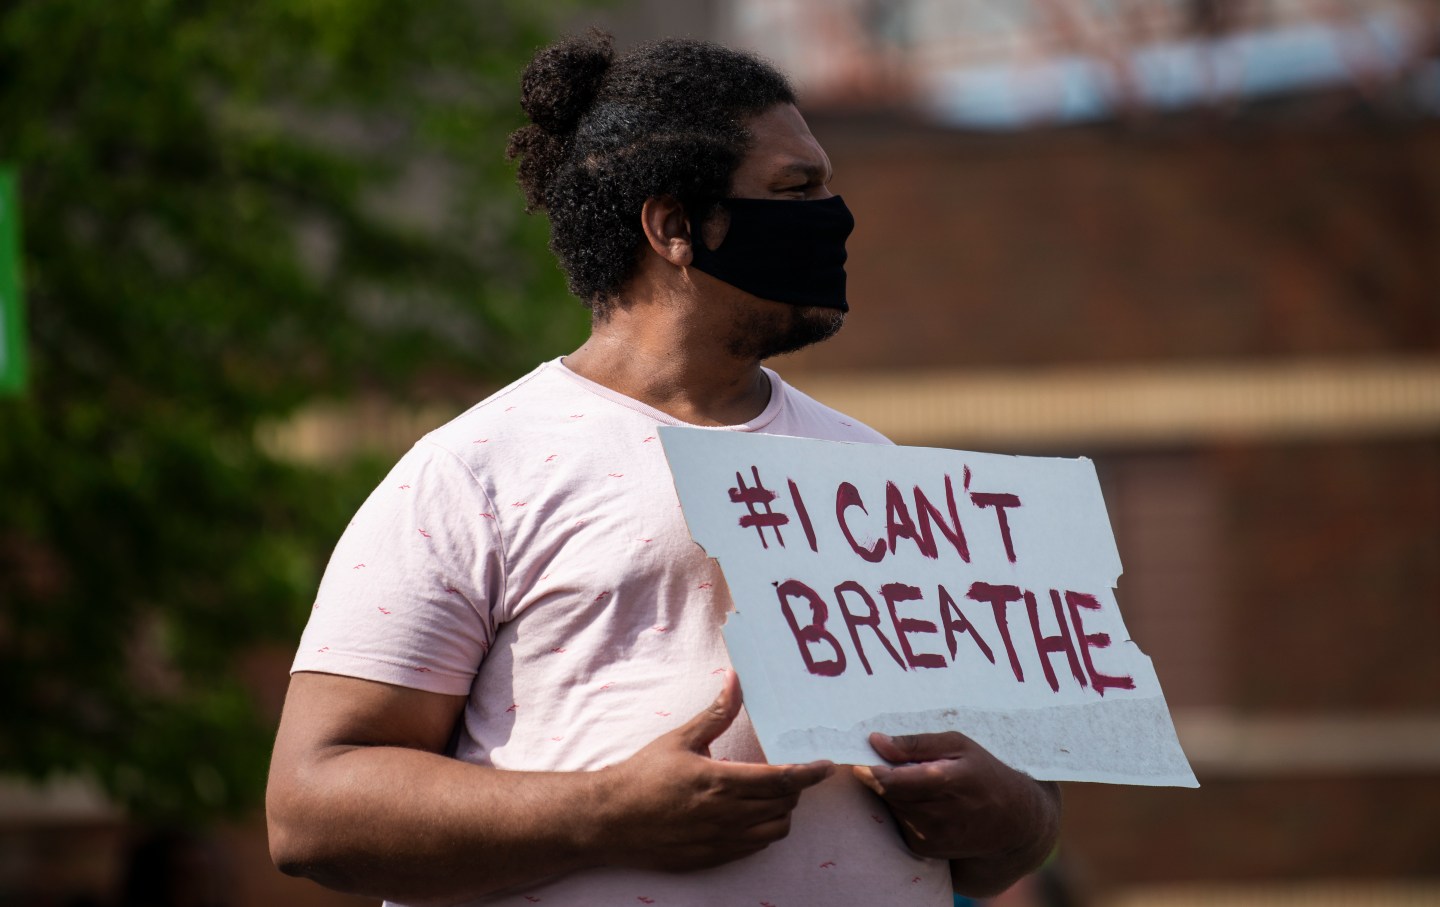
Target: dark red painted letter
1088	641
898	524
959	623
999	597
871	620
846	496
814	631
1049	645
999	502
894	593
803	514
952	532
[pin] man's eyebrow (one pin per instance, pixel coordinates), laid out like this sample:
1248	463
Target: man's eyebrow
812	172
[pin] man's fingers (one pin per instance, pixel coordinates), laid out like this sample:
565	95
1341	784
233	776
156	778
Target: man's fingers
751	781
902	783
809	774
921	747
764	833
867	775
918	783
699	732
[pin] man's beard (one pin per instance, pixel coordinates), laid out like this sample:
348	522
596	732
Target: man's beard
778	328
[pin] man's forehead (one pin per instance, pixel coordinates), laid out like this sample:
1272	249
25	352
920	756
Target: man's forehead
783	145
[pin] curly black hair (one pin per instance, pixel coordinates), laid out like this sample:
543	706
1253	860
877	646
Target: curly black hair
607	132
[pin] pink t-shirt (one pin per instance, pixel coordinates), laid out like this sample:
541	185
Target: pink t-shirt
532	555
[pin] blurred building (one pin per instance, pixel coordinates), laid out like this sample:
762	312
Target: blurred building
1198	242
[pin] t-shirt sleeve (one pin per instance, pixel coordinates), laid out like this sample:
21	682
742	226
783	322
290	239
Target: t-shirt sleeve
411	591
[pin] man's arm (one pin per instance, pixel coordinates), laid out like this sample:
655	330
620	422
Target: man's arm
955	801
361	800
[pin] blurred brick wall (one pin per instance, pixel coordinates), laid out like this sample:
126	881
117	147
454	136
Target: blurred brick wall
1264	578
1287	828
1103	245
1336	558
1320	594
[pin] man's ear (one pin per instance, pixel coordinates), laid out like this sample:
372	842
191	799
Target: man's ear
667	229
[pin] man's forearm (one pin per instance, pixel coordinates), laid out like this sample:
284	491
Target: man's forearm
361	801
418	827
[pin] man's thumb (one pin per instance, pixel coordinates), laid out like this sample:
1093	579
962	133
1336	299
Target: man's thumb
700	731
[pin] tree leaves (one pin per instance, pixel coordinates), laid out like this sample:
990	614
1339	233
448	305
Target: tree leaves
230	209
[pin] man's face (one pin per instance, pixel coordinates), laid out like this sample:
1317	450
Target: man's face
784	162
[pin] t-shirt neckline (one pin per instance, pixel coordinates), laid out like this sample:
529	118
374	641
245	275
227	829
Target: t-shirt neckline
767	415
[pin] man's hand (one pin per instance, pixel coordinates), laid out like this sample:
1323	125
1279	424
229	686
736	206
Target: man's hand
954	800
677	809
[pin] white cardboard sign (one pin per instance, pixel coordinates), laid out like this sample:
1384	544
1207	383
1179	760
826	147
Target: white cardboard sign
910	590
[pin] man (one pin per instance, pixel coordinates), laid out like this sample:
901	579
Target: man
501	694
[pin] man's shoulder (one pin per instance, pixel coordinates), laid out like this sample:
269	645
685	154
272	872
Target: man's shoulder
549	411
806	417
513	409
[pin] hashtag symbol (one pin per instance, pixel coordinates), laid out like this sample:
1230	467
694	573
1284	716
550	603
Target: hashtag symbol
750	497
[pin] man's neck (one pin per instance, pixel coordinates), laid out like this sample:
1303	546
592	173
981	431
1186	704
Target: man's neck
680	369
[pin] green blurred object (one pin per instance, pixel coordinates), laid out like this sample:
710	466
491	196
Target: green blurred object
232	210
12	303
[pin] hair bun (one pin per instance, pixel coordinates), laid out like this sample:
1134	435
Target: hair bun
562	80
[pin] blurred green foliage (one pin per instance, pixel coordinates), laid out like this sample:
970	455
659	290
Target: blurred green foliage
230	209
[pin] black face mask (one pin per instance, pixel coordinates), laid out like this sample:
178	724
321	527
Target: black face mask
783	250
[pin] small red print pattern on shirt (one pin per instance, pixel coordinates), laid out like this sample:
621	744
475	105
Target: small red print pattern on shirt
422	670
519	504
828	864
915	881
558	649
704	585
488	516
877	818
382	610
577	415
404	486
658	628
529	897
513	707
606	686
481	441
648	440
323	649
357	566
644	900
663	714
602	596
423	532
617	475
